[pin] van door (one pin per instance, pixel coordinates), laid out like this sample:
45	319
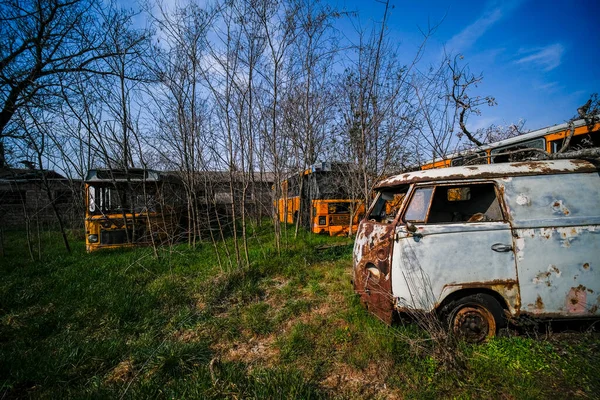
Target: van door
372	256
556	219
462	240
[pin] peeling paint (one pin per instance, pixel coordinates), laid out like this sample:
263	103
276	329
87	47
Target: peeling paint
547	232
523	200
371	263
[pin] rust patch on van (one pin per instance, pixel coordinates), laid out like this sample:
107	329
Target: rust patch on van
508	289
533	165
539	304
576	299
543	277
559	208
372	275
586	266
508	284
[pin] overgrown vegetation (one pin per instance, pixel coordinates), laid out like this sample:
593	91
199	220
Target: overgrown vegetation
125	324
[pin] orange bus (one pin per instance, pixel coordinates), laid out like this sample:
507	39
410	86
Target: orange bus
321	198
550	139
130	207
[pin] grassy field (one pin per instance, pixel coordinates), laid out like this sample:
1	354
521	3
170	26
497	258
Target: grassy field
123	324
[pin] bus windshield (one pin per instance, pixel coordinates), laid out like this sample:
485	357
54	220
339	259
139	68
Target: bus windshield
111	199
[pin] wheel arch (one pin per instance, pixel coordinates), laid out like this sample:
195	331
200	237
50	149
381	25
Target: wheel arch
460	293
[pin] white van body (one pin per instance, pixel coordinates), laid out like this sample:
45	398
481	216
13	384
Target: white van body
523	238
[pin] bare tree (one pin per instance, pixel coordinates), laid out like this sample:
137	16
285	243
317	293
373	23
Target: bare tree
179	105
444	102
378	111
310	102
37	131
278	25
42	43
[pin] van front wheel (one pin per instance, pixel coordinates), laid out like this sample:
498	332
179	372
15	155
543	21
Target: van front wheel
475	318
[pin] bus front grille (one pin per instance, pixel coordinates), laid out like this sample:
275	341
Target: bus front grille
115	236
340	219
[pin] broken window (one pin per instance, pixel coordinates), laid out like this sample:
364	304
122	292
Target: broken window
465	203
577	142
387	205
470	159
124	198
513	153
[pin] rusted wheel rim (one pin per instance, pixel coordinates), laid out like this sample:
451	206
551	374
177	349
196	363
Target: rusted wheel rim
474	324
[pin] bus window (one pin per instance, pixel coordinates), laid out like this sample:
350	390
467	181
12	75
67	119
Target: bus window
92	199
469	159
578	141
499	155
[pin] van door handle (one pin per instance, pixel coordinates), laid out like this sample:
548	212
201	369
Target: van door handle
501	248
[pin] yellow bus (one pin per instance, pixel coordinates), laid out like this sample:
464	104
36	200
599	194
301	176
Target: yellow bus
550	139
130	207
321	198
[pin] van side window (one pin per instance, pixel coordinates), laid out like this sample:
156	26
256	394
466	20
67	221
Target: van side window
465	203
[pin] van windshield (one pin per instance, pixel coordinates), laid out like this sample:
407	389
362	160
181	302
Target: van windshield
387	204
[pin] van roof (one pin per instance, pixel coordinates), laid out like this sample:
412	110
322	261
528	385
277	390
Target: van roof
489	171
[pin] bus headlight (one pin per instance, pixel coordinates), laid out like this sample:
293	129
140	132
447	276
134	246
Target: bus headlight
92	238
322	220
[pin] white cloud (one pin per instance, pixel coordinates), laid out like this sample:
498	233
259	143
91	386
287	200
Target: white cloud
547	58
549	86
468	36
494	12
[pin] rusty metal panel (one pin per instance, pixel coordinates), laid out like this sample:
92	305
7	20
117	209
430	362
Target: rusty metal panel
372	274
559	270
553	200
490	171
556	223
448	257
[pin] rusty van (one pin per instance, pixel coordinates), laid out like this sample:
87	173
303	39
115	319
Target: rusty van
480	245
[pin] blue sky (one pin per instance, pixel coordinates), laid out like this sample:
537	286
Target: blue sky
539	59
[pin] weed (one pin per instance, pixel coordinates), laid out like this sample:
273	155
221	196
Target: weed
123	323
256	318
298	343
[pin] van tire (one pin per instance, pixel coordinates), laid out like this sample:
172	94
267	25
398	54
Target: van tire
475	318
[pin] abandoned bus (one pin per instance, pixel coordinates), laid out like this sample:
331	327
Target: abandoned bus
550	139
130	207
320	197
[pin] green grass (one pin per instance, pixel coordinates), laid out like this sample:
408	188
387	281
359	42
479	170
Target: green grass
124	323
